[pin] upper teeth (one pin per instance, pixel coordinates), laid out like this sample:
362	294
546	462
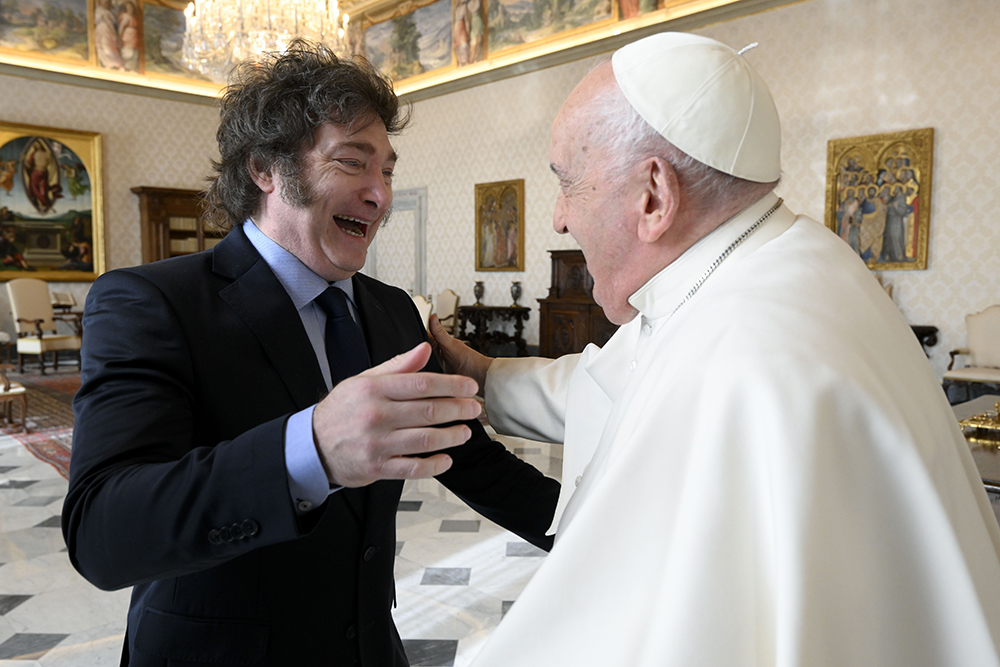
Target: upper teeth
360	222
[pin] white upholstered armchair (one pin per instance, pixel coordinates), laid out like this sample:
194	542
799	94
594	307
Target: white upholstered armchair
31	306
982	353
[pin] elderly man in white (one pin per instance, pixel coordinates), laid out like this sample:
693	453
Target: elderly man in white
760	465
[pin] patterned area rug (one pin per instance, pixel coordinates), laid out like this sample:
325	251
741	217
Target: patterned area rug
50	417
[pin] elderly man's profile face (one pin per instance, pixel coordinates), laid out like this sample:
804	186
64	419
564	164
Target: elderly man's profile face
590	206
347	183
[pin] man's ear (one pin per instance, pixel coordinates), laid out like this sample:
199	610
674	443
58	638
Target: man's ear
660	199
264	178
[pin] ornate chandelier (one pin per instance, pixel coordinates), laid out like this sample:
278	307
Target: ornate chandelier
221	33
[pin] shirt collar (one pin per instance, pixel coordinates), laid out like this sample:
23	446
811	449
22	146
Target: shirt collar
302	283
661	295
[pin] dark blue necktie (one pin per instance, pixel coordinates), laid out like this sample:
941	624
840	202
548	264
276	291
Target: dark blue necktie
346	351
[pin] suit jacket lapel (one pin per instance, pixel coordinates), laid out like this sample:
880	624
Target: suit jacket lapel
261	301
379	327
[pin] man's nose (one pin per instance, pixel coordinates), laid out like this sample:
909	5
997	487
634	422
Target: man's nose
557	222
378	192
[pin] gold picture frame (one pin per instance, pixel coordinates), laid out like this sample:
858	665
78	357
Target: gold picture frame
878	196
51	204
500	226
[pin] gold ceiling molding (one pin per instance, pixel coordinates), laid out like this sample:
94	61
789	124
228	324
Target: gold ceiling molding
85	68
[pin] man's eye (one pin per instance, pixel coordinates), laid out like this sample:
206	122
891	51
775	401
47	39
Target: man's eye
388	174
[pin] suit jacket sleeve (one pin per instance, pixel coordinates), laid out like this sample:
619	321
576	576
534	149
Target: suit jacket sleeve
486	476
145	491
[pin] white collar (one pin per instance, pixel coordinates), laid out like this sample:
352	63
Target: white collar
661	295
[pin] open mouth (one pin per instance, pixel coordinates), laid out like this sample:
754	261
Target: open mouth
352	226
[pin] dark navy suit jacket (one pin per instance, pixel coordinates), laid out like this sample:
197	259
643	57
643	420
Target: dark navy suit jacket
191	367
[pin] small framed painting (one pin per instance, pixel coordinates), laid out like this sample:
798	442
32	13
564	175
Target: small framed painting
500	226
878	196
51	206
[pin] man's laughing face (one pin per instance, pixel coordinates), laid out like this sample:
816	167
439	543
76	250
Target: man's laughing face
329	214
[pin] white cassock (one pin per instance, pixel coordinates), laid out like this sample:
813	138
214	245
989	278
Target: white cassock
769	476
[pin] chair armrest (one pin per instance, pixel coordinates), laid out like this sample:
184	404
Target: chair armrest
956	352
37	323
75	320
3	375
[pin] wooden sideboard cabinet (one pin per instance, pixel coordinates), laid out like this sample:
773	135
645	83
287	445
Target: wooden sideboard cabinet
172	223
570	318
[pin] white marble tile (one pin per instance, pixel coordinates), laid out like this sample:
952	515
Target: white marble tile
444	612
38	575
506	578
95	647
71	609
15	517
29	543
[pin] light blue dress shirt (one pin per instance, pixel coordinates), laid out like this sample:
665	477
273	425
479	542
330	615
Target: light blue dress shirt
307	480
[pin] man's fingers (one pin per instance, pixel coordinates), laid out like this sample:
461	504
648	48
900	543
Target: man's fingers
422	441
408	362
436	330
403	467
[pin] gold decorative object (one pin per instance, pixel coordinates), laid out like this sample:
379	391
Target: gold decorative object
984	428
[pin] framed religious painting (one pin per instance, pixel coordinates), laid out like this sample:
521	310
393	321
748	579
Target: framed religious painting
500	226
878	196
51	206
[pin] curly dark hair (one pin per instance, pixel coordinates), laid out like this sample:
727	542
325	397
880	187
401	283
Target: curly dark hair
270	113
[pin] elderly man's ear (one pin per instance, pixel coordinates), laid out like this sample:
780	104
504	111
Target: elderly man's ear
660	199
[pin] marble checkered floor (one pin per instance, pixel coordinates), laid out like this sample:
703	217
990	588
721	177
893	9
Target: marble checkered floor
456	572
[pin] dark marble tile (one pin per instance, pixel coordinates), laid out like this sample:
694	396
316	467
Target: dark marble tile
460	526
8	602
446	576
399	547
37	501
521	451
17	483
505	607
431	652
51	522
28	646
523	549
410	505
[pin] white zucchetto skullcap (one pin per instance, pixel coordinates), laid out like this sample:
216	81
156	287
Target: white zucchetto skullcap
706	100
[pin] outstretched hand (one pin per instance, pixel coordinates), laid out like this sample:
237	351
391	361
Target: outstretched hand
371	426
457	357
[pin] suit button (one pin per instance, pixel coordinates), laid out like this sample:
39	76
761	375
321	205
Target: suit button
225	534
352	632
237	531
250	527
370	553
213	537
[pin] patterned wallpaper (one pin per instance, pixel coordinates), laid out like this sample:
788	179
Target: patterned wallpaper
837	68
